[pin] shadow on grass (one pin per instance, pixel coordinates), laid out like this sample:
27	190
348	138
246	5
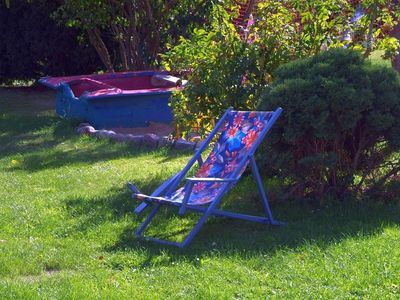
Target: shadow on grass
116	204
93	212
24	134
39	138
227	237
305	224
94	151
27	100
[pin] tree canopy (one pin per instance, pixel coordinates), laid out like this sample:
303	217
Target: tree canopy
130	34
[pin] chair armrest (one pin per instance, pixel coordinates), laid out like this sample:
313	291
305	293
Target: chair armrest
211	179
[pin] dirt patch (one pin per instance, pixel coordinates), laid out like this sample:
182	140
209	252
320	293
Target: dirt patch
42	276
159	129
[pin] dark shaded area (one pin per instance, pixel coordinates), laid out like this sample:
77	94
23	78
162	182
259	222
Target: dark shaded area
321	225
45	155
33	44
396	33
26	100
27	115
305	225
93	212
52	158
18	128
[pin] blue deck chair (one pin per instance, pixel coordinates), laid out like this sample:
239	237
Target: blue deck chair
241	132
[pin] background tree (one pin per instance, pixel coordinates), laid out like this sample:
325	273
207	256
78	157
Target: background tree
33	44
139	29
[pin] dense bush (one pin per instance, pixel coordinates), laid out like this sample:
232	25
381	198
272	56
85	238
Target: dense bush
226	70
340	127
223	73
32	44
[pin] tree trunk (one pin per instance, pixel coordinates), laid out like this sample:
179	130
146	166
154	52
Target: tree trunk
396	61
97	42
120	37
370	35
153	35
132	37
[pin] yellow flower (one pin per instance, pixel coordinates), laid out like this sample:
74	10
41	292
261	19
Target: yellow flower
14	162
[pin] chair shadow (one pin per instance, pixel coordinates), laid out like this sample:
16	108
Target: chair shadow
95	211
117	203
228	237
306	224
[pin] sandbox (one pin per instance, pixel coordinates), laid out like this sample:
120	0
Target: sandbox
115	100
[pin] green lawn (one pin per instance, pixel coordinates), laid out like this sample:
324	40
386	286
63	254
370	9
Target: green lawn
66	227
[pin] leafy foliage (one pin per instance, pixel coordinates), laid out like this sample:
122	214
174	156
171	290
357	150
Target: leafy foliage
310	26
138	29
340	122
225	70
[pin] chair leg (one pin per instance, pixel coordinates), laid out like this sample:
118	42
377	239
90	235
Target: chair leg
201	222
133	188
146	222
262	193
189	237
142	206
195	230
186	241
188	191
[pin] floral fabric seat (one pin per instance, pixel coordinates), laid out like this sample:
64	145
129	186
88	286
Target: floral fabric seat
237	135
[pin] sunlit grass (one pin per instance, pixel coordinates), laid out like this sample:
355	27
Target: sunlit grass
66	227
376	57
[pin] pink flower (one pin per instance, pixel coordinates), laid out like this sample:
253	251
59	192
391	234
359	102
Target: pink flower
202	200
204	170
198	187
212	157
232	132
249	139
238	119
231	155
259	124
244	80
244	168
226	123
252	114
250	21
229	167
216	185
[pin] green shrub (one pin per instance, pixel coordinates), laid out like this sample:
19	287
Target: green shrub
225	70
223	73
340	125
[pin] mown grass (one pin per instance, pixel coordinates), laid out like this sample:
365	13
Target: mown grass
66	227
